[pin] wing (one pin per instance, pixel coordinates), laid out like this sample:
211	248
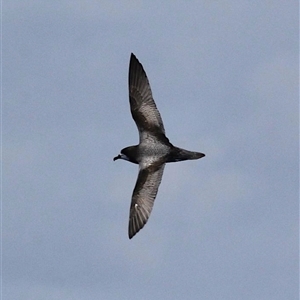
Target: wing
142	105
143	197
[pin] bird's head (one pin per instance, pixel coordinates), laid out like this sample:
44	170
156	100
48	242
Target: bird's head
128	153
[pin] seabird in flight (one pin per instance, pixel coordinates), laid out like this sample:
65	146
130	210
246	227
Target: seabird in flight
153	151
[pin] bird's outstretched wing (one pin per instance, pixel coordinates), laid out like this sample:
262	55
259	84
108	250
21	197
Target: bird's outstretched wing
143	197
142	105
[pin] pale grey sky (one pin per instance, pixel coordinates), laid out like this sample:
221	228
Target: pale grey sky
224	75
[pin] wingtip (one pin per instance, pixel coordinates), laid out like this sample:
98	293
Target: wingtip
200	155
130	236
132	56
133	59
132	233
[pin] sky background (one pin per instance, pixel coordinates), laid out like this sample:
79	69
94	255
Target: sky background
224	75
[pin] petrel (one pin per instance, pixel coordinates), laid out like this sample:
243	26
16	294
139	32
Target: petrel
153	151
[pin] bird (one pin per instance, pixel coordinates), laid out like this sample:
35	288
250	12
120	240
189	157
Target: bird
153	151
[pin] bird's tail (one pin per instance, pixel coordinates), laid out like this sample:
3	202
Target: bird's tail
179	154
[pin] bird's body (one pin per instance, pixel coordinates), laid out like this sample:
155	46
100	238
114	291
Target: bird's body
153	151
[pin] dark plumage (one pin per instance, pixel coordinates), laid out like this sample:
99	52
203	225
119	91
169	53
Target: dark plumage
153	151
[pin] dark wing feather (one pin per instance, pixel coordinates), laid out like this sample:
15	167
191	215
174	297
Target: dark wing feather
142	105
143	197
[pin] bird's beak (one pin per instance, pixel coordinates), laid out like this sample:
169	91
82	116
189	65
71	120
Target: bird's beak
117	157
